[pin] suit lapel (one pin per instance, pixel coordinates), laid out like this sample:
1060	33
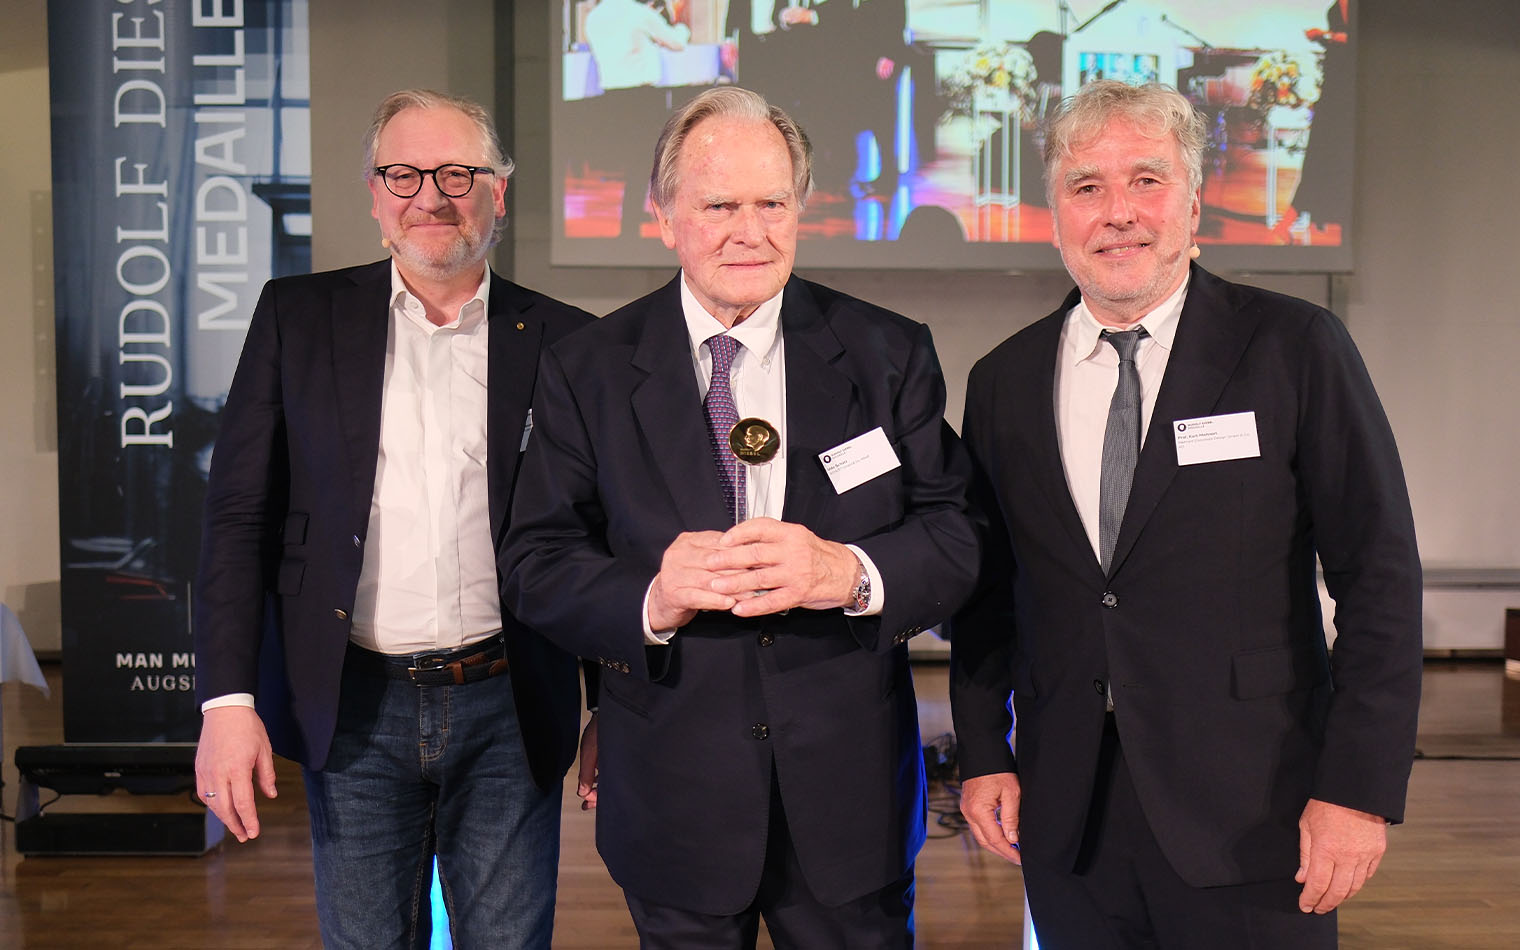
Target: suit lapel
513	341
360	328
668	409
819	396
1046	441
1211	338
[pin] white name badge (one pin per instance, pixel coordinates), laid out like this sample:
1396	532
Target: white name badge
859	460
1216	438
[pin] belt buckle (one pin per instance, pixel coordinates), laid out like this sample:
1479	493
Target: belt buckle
425	662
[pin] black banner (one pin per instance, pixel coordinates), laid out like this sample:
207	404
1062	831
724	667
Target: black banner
181	182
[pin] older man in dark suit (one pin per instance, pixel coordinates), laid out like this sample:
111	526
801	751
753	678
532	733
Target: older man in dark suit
349	582
1192	769
758	734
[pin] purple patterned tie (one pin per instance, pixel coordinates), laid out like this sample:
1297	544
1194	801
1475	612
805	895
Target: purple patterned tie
722	416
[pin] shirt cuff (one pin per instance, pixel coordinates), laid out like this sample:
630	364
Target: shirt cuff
652	637
231	699
878	599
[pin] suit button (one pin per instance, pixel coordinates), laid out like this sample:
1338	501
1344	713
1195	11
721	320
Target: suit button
357	542
1110	599
766	639
760	730
1101	689
340	613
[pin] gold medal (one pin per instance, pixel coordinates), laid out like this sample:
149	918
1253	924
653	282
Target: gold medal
754	441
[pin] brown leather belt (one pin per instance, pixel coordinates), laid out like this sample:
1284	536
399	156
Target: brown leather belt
470	664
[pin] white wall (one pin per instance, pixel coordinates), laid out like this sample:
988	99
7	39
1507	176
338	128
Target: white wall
29	424
1430	301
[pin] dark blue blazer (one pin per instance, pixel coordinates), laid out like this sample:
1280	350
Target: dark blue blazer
287	511
1208	626
691	733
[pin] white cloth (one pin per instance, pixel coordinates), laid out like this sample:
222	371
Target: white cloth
625	39
429	576
758	380
18	664
1087	370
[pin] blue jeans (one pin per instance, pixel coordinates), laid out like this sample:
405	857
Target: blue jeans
418	771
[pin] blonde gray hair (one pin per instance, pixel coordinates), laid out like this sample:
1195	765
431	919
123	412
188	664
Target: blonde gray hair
1156	108
729	102
398	102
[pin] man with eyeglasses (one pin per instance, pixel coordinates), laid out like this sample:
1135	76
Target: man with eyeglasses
349	588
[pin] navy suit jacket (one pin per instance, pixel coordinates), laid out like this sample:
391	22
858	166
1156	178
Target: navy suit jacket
287	510
1208	626
690	732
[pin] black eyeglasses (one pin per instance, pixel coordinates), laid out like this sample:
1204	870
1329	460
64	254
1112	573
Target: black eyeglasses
455	181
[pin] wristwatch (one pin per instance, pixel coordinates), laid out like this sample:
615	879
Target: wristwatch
862	592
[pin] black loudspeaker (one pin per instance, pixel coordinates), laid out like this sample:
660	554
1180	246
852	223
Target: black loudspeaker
159	769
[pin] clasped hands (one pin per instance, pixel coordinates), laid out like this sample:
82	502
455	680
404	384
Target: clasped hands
761	566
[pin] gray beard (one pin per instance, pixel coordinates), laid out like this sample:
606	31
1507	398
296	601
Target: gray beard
465	253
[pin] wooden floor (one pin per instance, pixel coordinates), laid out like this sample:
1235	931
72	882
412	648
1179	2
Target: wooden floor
1451	878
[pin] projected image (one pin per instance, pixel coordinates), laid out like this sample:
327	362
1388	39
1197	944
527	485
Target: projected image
926	116
1125	67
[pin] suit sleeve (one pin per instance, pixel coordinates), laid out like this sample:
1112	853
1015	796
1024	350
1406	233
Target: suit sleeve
561	577
982	634
928	559
245	501
1364	534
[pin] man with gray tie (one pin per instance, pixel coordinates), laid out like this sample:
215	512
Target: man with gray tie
742	497
349	585
1160	460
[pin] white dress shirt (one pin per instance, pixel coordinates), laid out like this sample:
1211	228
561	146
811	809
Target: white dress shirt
428	580
758	380
1087	370
429	575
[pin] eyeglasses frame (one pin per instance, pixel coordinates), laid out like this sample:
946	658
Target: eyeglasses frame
425	173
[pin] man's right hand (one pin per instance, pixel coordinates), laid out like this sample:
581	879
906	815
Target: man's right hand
990	804
233	749
684	584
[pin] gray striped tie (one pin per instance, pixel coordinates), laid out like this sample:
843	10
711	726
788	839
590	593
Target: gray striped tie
1121	443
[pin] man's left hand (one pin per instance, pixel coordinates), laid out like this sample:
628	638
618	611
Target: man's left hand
1339	850
778	565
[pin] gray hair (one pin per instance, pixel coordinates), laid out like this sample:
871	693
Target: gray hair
1156	108
398	102
726	102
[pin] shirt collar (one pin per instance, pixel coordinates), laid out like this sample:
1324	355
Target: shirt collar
756	332
1083	331
468	316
